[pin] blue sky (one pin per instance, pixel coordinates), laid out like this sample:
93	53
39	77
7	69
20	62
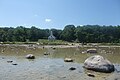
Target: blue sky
58	13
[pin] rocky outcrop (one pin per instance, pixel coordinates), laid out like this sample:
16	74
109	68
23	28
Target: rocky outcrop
30	56
98	63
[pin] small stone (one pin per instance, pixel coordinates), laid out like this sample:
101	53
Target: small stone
64	77
46	53
9	61
91	51
91	75
14	64
72	68
54	48
68	60
3	58
30	56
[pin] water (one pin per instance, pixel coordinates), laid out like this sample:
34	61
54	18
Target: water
52	66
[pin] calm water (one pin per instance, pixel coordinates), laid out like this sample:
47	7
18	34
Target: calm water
52	66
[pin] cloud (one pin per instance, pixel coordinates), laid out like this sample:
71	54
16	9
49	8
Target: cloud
48	20
35	15
81	25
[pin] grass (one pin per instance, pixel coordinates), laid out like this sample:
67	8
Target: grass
18	43
40	42
55	42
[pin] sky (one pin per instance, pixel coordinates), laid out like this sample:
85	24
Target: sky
47	14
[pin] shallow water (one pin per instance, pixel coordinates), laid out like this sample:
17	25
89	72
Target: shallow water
52	66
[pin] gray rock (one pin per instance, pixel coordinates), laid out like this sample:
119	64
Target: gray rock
9	61
98	63
91	51
14	64
30	56
90	74
68	60
72	68
46	53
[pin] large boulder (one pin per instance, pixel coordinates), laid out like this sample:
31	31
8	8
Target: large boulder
30	56
98	63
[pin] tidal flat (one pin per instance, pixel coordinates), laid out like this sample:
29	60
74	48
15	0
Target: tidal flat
52	66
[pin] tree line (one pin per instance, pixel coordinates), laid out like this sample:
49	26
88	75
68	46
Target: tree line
83	34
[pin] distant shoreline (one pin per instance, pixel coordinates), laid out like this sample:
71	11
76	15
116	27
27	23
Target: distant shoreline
76	45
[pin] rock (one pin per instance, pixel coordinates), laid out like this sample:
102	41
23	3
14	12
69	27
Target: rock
91	51
30	56
54	48
46	53
68	60
98	63
72	44
3	58
38	43
90	74
72	68
14	64
9	61
83	52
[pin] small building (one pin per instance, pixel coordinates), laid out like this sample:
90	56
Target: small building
51	37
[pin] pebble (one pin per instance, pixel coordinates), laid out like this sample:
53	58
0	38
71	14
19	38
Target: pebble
90	74
72	68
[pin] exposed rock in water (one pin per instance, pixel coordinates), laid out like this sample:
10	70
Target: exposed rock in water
72	68
91	51
68	60
3	58
98	63
30	56
9	61
14	64
46	53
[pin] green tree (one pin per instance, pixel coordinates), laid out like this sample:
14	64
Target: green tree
20	34
56	33
68	34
